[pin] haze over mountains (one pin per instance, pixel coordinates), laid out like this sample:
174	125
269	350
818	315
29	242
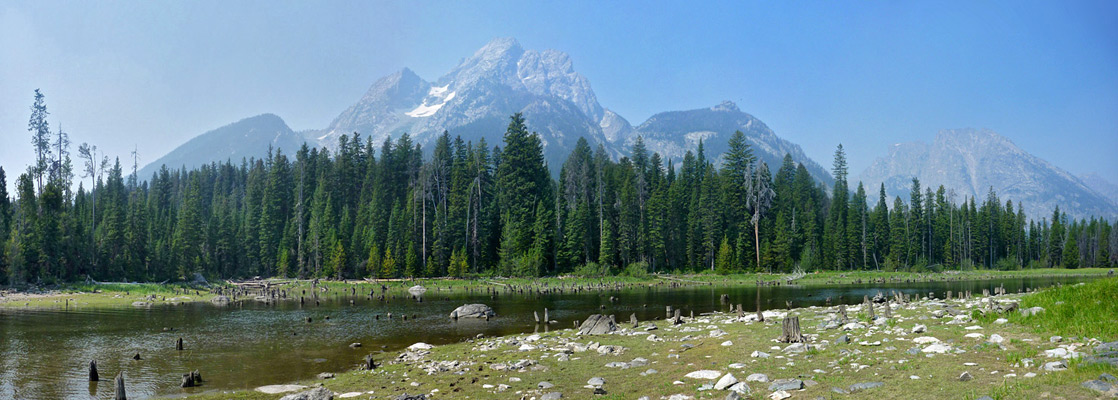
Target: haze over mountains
475	99
971	162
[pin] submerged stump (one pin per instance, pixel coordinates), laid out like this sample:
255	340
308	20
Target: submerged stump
93	376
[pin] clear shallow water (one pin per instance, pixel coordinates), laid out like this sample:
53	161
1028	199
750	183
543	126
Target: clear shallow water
44	354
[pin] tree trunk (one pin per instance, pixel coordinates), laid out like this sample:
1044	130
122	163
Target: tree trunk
119	387
790	329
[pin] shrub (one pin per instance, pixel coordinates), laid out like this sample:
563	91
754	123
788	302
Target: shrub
637	269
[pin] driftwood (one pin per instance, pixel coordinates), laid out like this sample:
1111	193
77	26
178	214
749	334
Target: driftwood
790	330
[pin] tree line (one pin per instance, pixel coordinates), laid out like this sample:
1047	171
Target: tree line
385	210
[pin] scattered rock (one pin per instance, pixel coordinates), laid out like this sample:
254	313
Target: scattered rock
857	387
596	381
552	396
779	395
786	384
725	382
996	339
326	375
1031	311
965	376
844	339
405	396
759	354
740	388
313	394
545	385
1055	339
277	389
757	378
473	311
925	340
1001	321
420	346
796	348
1055	366
597	324
703	374
919	328
938	348
1099	386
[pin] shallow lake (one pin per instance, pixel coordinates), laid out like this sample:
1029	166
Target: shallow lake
45	353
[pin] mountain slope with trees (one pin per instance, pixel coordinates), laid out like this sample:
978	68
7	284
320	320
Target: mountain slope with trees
383	209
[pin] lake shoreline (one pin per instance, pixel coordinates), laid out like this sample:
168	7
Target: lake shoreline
963	347
146	294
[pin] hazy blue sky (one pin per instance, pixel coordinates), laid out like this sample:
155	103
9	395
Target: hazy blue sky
867	74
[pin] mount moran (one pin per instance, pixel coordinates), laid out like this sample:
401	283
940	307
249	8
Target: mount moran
475	99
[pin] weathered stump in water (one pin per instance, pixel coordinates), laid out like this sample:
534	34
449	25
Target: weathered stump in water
724	299
136	357
633	320
668	312
949	295
178	344
369	363
741	314
546	318
187	381
888	310
790	330
93	376
842	310
676	319
869	308
118	391
537	315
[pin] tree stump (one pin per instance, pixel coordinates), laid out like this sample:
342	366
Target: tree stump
869	308
187	381
676	320
760	316
93	376
369	364
842	310
178	344
633	320
668	312
790	330
546	318
724	299
118	390
888	310
537	316
741	314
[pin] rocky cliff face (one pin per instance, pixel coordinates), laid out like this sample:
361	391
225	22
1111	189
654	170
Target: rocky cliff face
971	162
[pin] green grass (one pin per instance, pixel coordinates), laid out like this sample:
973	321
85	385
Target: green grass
1087	309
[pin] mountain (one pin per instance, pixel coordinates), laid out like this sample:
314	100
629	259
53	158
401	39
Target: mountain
673	133
247	138
1101	185
970	162
476	98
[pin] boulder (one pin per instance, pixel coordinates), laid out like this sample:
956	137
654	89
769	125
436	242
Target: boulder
757	378
472	311
405	396
857	387
725	382
786	384
704	374
313	394
219	300
597	324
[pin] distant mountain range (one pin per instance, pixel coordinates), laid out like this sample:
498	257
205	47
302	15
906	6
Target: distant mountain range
971	162
475	99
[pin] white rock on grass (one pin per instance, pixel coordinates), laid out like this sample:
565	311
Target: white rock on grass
974	335
938	348
420	346
725	382
1001	321
759	354
727	343
757	378
919	328
996	339
925	340
779	395
704	374
277	389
